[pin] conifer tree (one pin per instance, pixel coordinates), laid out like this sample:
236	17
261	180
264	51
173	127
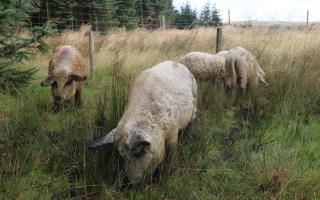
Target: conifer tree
149	11
126	13
215	15
104	14
205	17
106	18
63	12
169	12
185	17
15	48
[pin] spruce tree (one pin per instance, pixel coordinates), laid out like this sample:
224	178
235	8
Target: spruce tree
15	48
186	17
216	19
205	17
105	14
62	10
126	13
149	12
167	9
153	13
169	12
140	7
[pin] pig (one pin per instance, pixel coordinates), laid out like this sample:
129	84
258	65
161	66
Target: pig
204	66
242	69
66	75
162	100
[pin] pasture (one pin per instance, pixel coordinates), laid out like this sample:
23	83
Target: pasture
261	145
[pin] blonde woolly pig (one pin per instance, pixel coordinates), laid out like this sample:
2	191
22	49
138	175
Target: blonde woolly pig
162	100
242	68
204	66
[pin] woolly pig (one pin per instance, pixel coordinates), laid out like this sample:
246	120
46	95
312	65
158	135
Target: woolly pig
162	100
66	75
223	53
204	66
242	68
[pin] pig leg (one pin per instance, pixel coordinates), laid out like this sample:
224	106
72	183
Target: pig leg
241	69
171	161
77	99
243	83
172	149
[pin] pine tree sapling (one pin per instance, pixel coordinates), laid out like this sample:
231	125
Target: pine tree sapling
12	79
15	47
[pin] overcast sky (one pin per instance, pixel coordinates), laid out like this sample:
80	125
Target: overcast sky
264	10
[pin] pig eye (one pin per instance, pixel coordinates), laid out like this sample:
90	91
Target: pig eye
68	82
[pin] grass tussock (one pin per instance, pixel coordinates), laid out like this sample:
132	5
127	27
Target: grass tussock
262	145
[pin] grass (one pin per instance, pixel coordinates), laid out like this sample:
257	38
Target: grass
264	145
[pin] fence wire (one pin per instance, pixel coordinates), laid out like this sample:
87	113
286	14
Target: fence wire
99	15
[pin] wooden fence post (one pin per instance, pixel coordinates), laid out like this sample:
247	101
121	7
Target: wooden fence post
91	52
219	39
47	6
307	24
141	10
163	17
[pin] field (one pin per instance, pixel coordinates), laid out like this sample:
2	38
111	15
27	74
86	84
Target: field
260	145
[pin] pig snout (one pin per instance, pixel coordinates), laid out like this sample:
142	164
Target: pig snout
58	100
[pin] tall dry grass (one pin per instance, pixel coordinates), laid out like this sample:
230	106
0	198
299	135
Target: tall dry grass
145	48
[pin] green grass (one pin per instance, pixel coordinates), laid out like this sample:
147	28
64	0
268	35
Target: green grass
263	145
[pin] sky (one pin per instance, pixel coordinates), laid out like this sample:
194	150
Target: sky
262	10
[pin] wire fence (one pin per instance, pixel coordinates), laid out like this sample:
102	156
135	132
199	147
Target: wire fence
103	18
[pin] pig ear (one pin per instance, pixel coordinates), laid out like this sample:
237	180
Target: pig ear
138	138
262	80
48	81
107	139
77	78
